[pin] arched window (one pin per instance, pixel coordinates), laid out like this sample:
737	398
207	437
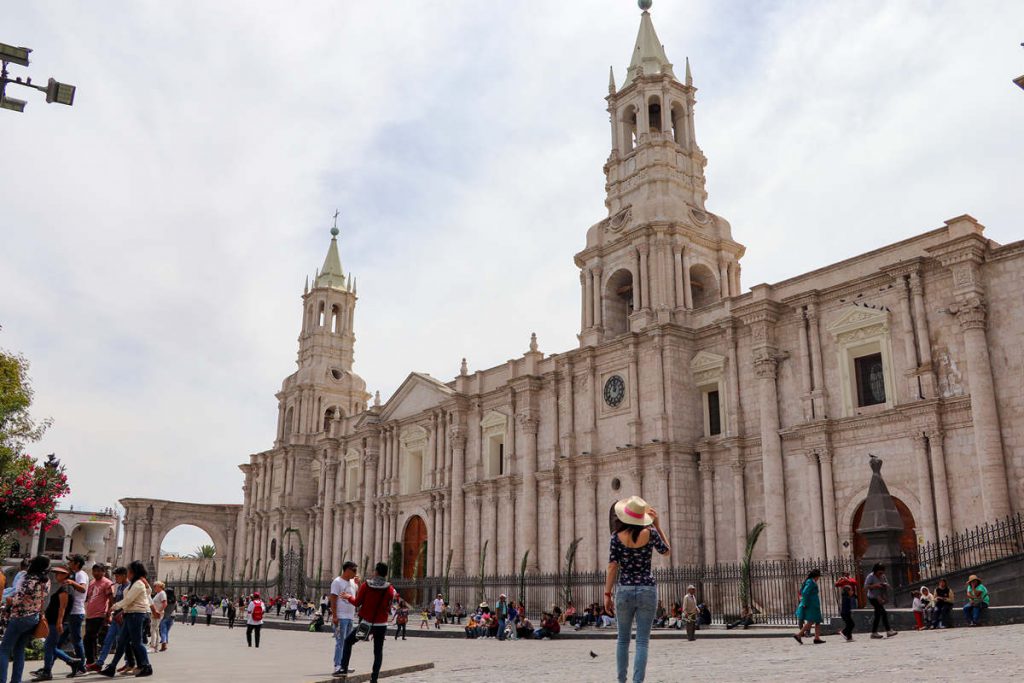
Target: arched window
309	319
678	123
320	315
289	417
627	126
703	285
335	319
654	114
618	302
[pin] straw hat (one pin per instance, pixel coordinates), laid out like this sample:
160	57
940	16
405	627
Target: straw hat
974	577
60	570
633	510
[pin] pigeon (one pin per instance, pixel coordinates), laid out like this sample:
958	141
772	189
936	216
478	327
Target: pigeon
593	654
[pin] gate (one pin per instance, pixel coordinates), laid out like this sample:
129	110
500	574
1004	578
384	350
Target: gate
291	574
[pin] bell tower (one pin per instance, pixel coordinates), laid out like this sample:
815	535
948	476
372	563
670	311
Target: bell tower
660	252
324	388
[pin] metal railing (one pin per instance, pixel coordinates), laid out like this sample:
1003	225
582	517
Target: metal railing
972	547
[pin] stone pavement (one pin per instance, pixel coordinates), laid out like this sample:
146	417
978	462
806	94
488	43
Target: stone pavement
201	654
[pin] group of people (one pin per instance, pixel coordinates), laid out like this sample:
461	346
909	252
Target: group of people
82	620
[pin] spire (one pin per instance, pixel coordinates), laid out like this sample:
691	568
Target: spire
649	57
689	76
464	368
330	274
611	80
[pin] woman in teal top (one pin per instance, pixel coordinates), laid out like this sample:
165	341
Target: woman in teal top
809	609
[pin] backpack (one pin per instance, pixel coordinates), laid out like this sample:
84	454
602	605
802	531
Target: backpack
257	611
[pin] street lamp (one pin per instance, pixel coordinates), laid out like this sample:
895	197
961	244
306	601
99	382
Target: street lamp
61	93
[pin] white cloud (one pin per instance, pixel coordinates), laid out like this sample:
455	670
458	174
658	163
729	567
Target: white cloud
155	236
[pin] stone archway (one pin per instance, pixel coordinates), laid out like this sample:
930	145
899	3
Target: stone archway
147	521
908	539
413	537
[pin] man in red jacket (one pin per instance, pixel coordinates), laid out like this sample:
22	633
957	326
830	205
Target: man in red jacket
373	605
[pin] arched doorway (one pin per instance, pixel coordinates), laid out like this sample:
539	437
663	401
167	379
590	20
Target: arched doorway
908	539
618	302
414	537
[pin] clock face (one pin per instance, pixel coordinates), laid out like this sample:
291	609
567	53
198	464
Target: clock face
614	391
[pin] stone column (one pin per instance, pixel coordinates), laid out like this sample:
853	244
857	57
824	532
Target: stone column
592	551
327	539
687	292
585	307
529	422
765	367
995	495
909	347
337	543
943	515
310	546
429	459
645	283
677	259
568	507
493	505
707	476
924	344
596	273
819	394
369	485
457	436
664	472
805	366
924	488
828	496
739	502
815	506
723	279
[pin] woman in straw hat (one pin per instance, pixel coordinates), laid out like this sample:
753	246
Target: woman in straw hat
637	534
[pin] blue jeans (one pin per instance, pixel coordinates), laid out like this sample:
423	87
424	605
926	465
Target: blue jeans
973	613
16	637
109	642
52	652
501	629
165	627
74	625
341	632
131	638
641	603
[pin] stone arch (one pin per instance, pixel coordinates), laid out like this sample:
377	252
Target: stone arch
619	301
703	285
414	534
678	118
849	510
654	113
628	129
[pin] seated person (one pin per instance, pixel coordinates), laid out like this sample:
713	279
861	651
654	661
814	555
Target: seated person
569	616
606	618
977	601
704	615
746	619
472	628
525	628
660	615
549	627
492	625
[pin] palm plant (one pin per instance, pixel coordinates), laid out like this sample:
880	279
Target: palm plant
447	574
522	577
420	569
480	575
204	552
746	599
395	561
570	566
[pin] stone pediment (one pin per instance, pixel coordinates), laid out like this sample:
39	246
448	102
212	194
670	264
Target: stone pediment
707	366
417	393
857	318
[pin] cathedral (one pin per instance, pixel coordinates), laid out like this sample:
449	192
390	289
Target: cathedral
722	406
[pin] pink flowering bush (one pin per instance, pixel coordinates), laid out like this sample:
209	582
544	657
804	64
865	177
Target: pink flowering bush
28	496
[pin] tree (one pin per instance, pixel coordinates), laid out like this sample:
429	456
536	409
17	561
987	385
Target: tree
204	552
746	599
570	569
29	491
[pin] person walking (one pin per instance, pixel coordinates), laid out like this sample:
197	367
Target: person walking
56	612
157	607
691	611
878	589
808	612
167	621
210	609
254	619
342	611
500	609
373	603
232	614
98	599
78	583
193	612
847	603
133	610
26	609
114	629
637	534
401	619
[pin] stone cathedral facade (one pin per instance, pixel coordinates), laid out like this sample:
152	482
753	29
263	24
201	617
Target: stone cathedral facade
721	406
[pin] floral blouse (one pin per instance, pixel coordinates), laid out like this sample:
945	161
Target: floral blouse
29	597
635	563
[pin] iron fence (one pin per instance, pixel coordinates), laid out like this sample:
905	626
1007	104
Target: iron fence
971	547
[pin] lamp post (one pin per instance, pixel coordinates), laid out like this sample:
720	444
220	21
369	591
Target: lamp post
58	92
52	463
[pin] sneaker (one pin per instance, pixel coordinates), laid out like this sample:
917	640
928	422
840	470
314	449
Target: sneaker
108	671
338	672
94	667
144	671
818	641
43	676
876	635
890	634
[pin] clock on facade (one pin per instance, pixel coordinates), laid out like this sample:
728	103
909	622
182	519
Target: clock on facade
614	391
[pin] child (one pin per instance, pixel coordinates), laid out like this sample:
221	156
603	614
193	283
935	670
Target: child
926	603
424	619
401	619
847	603
471	628
192	614
918	608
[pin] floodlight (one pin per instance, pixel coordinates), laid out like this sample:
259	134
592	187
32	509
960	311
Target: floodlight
12	104
58	92
16	55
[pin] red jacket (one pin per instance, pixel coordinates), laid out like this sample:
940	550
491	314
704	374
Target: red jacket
374	603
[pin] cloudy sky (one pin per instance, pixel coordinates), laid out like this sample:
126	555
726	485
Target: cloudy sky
154	238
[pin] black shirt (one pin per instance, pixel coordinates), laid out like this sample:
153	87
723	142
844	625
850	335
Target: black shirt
53	607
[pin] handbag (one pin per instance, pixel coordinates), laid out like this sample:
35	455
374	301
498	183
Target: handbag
363	630
42	628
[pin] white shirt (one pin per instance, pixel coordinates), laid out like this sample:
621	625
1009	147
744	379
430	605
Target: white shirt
78	599
160	602
438	605
343	608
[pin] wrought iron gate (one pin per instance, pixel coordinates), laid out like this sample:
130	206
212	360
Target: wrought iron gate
292	580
